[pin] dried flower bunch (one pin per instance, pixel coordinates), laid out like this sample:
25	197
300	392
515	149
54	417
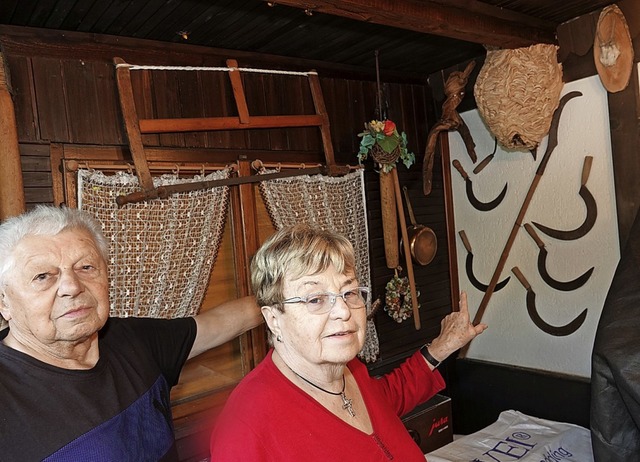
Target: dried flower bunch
382	140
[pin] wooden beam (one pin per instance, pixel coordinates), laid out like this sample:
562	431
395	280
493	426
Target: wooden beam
467	20
228	123
12	200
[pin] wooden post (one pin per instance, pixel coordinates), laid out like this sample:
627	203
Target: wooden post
407	250
11	185
132	126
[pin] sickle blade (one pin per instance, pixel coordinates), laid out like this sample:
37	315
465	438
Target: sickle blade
483	206
584	228
558	331
560	285
475	282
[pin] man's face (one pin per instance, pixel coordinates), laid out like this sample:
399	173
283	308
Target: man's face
57	290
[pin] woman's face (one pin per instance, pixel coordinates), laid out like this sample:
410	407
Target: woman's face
335	337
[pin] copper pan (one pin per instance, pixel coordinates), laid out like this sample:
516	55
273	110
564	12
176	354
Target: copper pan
422	240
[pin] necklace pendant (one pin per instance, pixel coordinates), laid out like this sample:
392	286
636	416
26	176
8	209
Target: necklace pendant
346	404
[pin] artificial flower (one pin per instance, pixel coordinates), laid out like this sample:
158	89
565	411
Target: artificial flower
384	135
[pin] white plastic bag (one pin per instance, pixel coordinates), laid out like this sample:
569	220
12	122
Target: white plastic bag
516	437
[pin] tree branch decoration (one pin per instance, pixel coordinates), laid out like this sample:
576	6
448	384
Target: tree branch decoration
450	120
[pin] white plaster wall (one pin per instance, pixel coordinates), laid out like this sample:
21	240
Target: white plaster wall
512	338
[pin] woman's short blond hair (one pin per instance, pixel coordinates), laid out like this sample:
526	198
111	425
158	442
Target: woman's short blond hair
294	252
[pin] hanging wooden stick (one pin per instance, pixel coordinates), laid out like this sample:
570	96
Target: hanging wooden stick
11	187
407	250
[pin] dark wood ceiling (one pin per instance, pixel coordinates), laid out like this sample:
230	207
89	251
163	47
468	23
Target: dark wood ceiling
416	37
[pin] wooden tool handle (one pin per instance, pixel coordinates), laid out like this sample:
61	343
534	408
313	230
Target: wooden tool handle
586	169
534	235
483	164
389	220
521	277
410	209
465	240
407	252
458	166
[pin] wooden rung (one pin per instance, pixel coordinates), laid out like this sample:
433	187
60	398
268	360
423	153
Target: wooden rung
238	91
130	116
227	123
321	110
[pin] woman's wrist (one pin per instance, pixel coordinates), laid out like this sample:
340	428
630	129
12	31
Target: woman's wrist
429	357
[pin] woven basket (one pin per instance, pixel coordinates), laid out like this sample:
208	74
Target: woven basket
517	92
383	157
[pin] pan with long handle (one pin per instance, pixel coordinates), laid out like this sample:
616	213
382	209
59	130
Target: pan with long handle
422	239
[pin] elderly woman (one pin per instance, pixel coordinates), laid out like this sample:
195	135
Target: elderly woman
310	399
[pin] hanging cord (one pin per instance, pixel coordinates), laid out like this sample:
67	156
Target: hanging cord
134	67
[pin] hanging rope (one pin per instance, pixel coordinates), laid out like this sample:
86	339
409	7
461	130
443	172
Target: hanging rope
135	67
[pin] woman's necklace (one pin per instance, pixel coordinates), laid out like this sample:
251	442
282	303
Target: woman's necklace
346	402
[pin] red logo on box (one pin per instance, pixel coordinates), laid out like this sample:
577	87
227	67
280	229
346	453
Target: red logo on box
439	424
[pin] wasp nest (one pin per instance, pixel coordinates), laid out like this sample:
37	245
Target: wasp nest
517	92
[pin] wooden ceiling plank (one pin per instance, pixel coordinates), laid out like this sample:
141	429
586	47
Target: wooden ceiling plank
433	18
59	13
23	13
76	15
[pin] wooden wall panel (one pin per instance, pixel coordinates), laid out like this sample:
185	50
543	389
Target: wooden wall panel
108	106
50	99
277	97
254	90
144	102
216	100
339	107
36	174
22	91
191	105
82	98
167	104
304	139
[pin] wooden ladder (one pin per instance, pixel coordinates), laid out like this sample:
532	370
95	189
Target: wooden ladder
136	127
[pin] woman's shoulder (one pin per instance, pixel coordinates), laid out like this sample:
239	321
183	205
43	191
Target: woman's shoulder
357	367
258	385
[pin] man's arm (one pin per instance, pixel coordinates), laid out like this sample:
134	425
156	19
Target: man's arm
225	322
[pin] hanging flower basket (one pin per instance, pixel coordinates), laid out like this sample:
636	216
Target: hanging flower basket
381	140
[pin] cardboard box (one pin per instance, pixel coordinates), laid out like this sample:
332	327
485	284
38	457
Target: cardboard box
430	423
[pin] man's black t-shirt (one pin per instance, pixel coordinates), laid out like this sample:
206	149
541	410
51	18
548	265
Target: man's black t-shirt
117	411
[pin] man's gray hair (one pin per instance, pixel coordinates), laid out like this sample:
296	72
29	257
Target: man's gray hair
46	220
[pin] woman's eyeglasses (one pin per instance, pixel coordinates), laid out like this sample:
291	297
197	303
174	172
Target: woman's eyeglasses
322	303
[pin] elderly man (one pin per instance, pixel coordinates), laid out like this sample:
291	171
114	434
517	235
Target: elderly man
75	384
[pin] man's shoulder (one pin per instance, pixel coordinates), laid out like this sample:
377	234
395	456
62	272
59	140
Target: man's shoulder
117	325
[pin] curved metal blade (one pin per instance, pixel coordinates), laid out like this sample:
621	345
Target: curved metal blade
484	206
475	282
558	331
584	228
560	285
